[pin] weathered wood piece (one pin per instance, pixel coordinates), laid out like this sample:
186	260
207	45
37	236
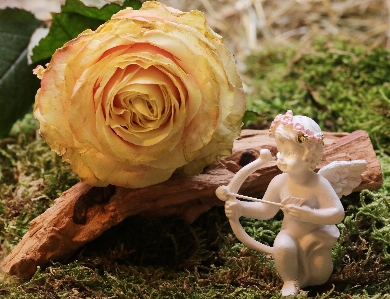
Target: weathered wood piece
83	213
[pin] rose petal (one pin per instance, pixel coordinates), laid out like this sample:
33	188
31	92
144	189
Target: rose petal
148	92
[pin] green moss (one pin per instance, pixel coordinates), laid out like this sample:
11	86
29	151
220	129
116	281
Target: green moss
341	85
31	177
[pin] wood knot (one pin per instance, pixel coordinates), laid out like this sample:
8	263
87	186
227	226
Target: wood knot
96	195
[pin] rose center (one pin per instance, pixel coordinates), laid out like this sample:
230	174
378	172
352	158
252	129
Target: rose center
141	103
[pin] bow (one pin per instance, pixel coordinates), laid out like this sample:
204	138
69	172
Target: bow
231	191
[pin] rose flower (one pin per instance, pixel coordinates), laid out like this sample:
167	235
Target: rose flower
149	92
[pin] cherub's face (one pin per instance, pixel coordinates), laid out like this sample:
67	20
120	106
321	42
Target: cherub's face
290	156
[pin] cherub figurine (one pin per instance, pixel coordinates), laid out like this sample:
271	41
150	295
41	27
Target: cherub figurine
303	248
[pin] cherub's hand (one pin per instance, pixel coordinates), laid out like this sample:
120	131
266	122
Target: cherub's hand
293	200
233	209
300	213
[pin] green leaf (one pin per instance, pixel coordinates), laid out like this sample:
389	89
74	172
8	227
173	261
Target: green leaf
65	26
74	19
18	85
104	13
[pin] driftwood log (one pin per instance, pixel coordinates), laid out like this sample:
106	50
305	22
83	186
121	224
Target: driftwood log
83	213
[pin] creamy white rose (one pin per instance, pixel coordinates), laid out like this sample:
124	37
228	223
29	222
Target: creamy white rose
148	92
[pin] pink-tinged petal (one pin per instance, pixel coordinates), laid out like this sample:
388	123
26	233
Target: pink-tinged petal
287	119
299	128
278	117
158	12
309	133
73	157
148	92
110	171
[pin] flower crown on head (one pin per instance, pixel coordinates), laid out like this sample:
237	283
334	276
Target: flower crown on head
302	133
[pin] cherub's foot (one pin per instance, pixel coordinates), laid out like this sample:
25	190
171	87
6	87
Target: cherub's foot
289	288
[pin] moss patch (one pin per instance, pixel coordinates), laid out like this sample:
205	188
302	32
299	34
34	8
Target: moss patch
344	87
340	85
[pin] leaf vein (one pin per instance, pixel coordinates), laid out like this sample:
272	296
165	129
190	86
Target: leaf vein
63	27
14	34
17	60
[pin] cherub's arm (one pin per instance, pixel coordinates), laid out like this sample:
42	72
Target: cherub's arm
330	209
258	210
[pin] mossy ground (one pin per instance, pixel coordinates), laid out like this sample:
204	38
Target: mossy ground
343	86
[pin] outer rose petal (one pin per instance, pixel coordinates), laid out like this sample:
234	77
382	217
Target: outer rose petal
148	92
155	11
230	117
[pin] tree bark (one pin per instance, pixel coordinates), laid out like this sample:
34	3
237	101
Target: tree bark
83	212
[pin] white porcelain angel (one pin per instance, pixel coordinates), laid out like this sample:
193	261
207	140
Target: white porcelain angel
303	248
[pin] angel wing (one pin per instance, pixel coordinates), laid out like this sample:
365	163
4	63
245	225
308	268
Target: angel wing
344	176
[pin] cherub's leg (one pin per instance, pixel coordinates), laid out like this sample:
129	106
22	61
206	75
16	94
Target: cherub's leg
317	248
286	262
321	266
